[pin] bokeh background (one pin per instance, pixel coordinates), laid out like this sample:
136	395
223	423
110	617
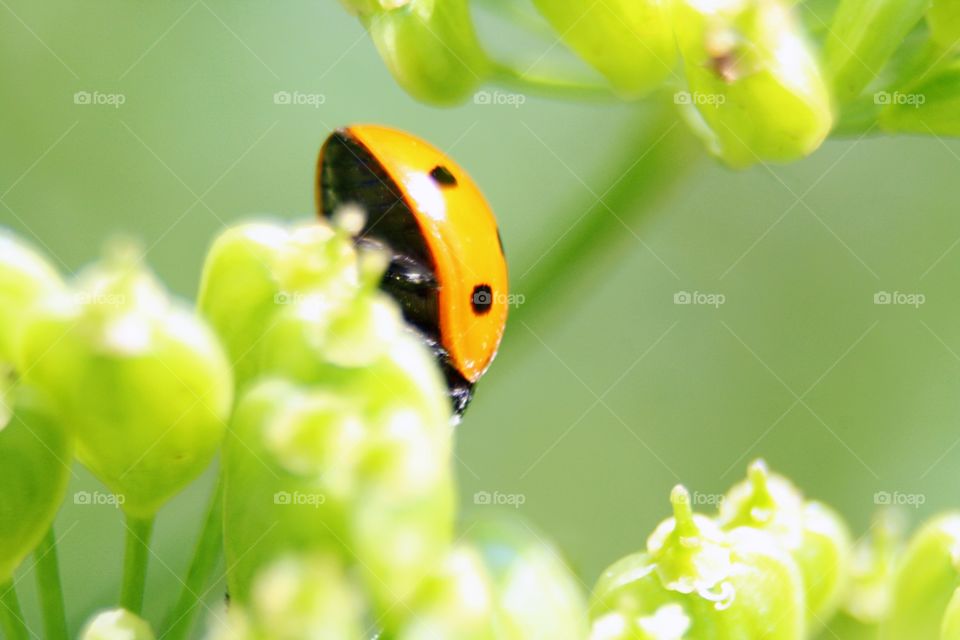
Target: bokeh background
600	404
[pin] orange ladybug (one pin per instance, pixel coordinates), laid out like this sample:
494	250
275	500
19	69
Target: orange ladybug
447	268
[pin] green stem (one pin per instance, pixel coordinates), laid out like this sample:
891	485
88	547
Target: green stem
135	563
11	616
560	88
650	162
50	588
205	557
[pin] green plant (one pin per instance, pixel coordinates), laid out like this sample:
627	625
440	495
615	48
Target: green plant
335	503
335	507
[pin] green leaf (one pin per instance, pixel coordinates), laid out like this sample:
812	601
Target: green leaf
864	34
928	107
944	20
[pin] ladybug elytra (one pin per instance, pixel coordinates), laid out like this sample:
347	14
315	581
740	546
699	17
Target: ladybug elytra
447	269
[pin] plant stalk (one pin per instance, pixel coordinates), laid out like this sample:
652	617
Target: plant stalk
11	616
650	163
135	561
50	588
207	553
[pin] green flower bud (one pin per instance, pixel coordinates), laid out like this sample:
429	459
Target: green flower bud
116	624
629	41
306	598
430	46
456	600
296	597
697	581
755	89
944	21
926	578
536	593
139	379
863	35
35	456
867	598
812	533
25	277
950	627
928	107
342	467
256	272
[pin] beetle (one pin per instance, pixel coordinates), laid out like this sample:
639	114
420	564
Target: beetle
447	267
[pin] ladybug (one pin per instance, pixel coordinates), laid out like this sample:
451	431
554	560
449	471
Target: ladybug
447	268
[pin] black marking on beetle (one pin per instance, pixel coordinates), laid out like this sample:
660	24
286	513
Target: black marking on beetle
442	176
482	299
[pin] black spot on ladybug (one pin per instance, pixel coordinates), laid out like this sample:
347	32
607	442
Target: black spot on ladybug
442	176
481	299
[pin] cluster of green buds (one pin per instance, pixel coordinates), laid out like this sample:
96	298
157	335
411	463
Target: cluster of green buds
769	565
136	376
757	80
107	369
339	499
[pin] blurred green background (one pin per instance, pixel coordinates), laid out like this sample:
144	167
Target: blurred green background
847	397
